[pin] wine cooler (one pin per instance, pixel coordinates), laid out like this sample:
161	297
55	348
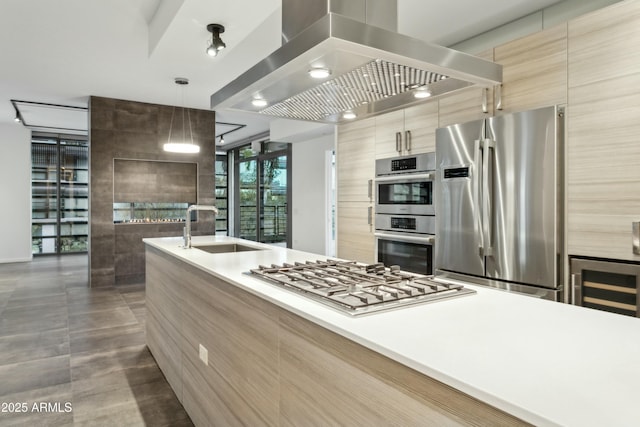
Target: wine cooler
606	285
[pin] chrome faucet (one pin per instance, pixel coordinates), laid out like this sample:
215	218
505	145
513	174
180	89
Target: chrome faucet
187	228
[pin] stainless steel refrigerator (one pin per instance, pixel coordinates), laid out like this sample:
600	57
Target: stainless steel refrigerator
499	202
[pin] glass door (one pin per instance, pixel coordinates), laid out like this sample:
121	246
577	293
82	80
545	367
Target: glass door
247	208
262	195
44	196
59	195
221	192
274	198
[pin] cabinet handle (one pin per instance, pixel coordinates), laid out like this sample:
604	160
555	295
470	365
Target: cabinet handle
576	288
370	215
485	100
635	226
370	189
407	138
398	142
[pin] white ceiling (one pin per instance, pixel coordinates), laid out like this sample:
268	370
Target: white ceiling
64	51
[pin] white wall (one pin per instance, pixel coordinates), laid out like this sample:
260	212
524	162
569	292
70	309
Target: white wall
308	196
15	193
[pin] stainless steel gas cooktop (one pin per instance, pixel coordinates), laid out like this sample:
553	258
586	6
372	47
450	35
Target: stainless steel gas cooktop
355	288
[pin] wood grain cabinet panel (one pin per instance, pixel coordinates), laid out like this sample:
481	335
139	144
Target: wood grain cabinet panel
240	333
164	319
355	164
416	127
355	239
604	44
355	160
422	120
465	105
534	70
269	367
329	380
603	146
386	129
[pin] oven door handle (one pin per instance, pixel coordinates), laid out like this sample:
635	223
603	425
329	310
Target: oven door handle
407	177
406	238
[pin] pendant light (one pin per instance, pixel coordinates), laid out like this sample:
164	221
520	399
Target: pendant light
181	144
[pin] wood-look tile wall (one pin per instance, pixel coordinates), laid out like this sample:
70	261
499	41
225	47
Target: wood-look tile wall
132	130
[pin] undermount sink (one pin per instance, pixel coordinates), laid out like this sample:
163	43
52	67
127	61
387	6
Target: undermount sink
226	247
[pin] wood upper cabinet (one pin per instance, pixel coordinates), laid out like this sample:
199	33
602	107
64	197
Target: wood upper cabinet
389	135
465	105
534	70
355	164
603	126
408	131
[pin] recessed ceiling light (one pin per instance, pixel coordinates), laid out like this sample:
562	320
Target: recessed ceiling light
422	92
319	73
349	115
259	102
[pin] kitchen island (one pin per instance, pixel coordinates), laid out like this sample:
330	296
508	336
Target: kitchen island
274	357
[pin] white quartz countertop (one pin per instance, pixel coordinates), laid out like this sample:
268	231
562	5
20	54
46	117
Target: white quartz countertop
545	362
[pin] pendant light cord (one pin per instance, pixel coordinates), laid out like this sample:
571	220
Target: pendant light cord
173	113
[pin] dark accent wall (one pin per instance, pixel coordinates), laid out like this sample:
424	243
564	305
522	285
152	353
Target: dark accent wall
154	181
132	130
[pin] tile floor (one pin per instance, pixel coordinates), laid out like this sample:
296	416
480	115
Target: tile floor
62	343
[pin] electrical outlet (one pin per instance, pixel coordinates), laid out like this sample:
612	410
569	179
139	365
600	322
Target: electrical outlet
204	355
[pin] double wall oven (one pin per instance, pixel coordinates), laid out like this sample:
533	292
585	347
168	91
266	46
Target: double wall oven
405	213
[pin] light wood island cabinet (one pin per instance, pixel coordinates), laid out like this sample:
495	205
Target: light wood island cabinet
268	366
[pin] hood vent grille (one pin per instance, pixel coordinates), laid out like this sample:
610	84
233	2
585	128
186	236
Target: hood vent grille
372	82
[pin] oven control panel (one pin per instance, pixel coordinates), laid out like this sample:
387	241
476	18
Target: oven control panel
403	223
418	163
406	164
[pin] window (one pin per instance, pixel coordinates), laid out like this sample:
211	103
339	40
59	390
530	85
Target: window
59	195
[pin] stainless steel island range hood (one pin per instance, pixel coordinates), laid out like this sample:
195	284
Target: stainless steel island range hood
363	67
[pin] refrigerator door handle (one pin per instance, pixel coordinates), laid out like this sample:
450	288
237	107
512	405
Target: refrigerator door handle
478	220
399	142
487	196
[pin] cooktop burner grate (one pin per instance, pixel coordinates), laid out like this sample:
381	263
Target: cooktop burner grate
356	288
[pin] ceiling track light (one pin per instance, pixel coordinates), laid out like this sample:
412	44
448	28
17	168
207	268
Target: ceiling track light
216	44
